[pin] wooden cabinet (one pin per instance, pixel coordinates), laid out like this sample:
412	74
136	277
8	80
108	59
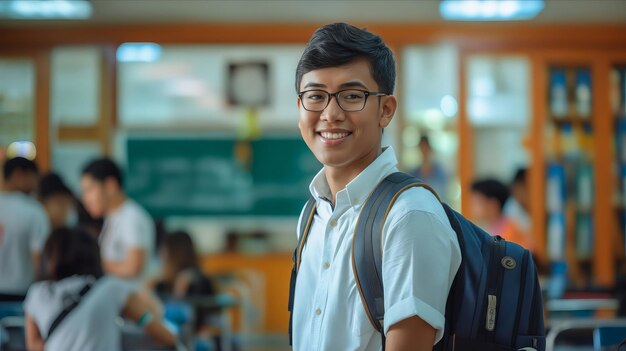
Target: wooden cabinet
574	159
576	142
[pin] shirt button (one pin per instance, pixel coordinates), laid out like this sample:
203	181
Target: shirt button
318	312
333	223
326	265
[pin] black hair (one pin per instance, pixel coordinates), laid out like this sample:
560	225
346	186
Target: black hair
340	43
520	176
51	184
71	252
21	163
492	189
104	168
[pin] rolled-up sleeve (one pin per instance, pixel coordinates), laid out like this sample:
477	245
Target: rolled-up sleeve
420	259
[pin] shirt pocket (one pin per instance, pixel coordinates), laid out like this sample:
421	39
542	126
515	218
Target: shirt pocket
361	324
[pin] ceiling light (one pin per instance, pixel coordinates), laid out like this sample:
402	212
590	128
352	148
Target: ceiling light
490	10
139	52
45	9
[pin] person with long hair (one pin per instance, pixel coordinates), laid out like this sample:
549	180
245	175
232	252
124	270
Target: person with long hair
182	279
74	276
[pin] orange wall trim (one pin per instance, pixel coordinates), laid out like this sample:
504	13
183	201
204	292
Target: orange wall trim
485	35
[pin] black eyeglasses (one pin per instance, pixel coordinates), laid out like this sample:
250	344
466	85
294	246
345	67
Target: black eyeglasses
350	100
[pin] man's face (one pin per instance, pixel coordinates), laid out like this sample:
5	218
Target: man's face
29	182
347	141
23	181
93	196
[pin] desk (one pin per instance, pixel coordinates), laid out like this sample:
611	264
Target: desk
275	272
580	324
573	305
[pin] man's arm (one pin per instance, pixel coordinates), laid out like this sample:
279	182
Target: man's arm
411	334
130	267
34	341
420	260
137	308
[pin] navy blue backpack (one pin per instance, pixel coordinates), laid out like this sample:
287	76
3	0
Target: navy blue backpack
495	300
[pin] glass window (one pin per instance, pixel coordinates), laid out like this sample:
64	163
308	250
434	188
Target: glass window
17	121
429	99
75	86
498	109
164	86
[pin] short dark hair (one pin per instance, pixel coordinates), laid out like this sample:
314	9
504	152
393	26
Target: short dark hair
72	252
340	43
21	163
492	189
51	184
104	168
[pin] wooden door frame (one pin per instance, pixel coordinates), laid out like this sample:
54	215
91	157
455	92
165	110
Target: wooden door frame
41	103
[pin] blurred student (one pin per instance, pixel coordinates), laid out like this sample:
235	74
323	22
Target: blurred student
517	210
128	234
23	228
517	207
487	198
181	273
430	171
74	278
182	277
58	201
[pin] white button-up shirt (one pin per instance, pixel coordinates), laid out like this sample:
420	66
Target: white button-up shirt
421	256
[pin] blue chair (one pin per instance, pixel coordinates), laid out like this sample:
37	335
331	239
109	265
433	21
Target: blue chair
11	309
608	337
12	336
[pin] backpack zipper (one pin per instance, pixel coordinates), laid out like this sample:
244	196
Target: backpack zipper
494	289
520	303
490	321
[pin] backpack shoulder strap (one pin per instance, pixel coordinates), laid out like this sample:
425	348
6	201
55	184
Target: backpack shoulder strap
367	243
305	224
76	298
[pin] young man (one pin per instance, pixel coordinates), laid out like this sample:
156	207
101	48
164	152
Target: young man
128	235
24	227
345	82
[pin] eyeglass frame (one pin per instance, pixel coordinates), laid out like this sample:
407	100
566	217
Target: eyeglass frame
335	94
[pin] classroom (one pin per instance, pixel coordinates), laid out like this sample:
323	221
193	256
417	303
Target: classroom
171	169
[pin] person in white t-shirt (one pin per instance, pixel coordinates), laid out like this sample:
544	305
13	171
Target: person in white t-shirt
24	227
345	80
128	235
72	262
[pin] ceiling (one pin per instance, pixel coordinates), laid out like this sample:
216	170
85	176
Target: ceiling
299	11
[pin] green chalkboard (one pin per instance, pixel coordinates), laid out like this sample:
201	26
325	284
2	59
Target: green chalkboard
219	176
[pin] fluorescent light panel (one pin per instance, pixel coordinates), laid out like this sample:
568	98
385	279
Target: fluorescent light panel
490	10
45	9
138	52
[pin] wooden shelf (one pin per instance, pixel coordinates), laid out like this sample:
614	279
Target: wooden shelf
573	120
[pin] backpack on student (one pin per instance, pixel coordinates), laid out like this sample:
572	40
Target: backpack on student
495	300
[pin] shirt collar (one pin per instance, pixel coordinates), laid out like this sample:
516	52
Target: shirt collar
357	191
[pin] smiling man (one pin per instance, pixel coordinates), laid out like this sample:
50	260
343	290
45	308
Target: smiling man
345	81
